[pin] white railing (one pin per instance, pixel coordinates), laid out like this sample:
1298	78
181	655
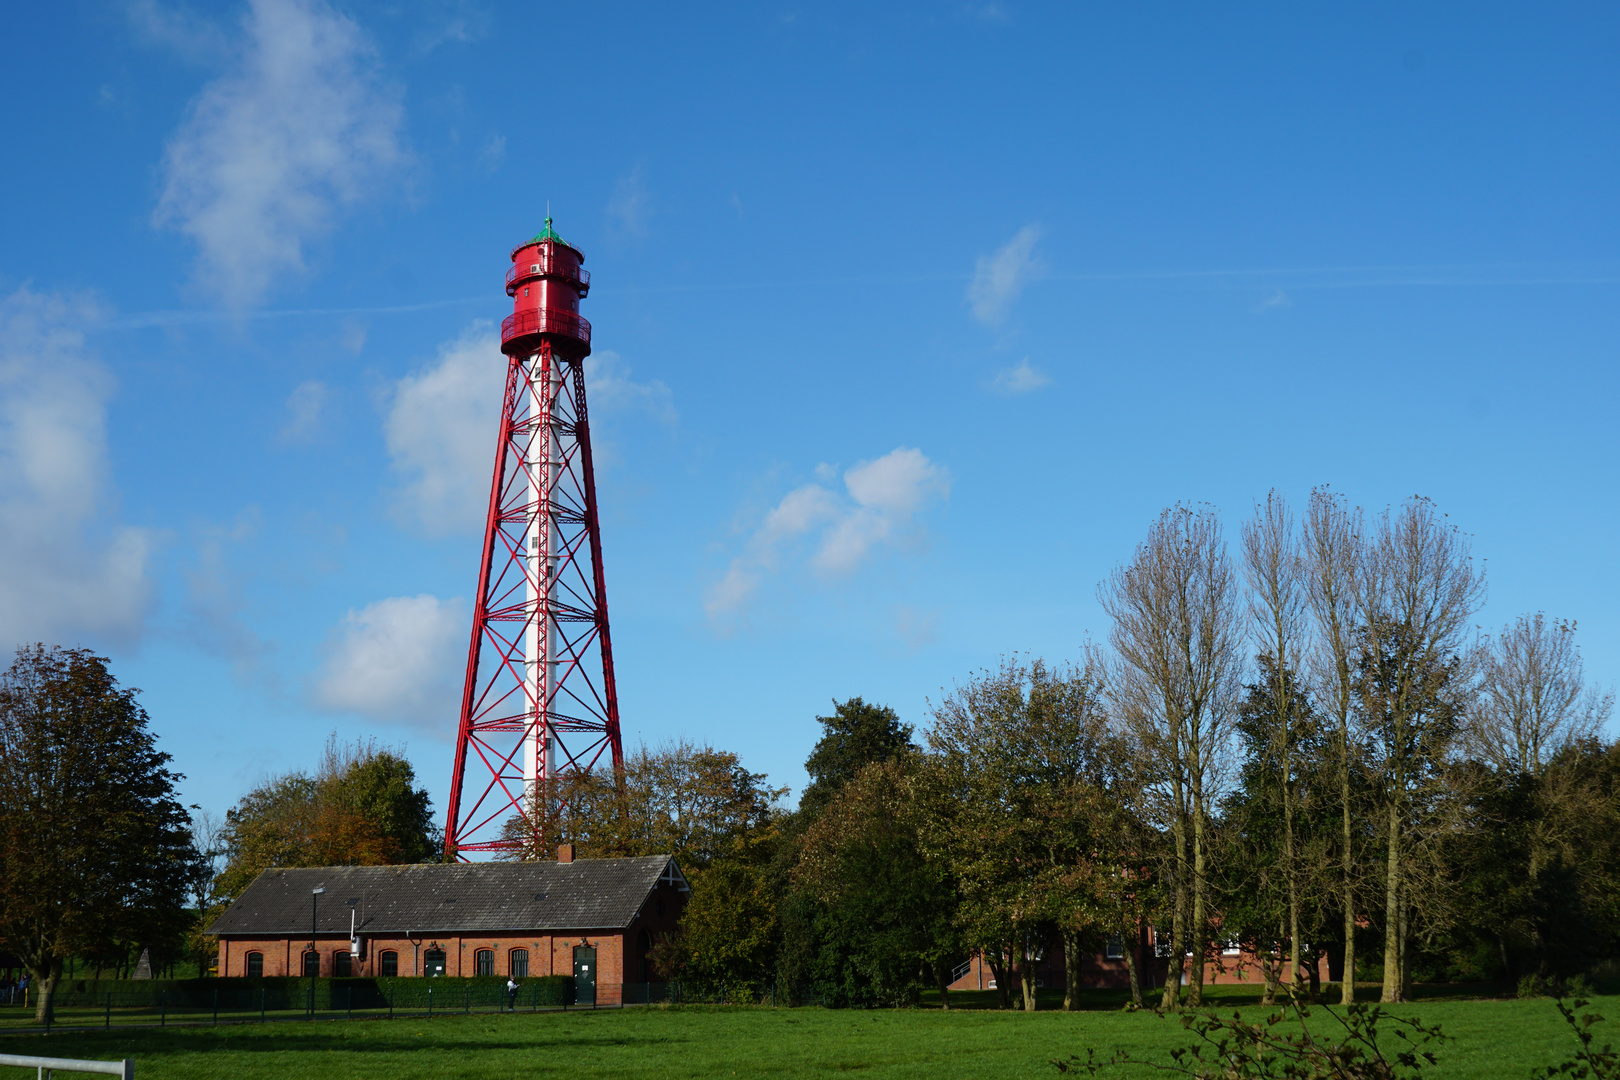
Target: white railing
48	1065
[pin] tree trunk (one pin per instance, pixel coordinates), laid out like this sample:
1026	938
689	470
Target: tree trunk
1200	912
998	968
1071	970
44	979
1347	983
1178	951
1392	910
1269	963
1133	956
943	977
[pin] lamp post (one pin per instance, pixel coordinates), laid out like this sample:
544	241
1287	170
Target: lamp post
315	968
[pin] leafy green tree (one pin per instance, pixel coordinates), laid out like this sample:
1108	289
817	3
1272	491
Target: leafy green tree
94	847
882	911
361	808
854	736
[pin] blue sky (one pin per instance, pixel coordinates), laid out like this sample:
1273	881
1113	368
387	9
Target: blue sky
909	319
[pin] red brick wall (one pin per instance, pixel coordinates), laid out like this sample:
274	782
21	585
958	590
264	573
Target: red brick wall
549	953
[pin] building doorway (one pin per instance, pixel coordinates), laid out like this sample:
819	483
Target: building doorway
433	963
585	975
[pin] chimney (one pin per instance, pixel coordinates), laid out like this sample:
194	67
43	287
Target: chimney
565	852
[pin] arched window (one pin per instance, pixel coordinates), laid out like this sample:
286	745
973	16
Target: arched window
390	964
433	963
484	962
342	964
255	965
517	963
312	965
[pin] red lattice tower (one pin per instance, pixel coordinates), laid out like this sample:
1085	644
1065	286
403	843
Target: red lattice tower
539	700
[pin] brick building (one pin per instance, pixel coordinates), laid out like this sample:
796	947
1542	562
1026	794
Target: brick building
595	919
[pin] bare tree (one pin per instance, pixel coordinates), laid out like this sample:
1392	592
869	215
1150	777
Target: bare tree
1177	631
1334	553
1277	616
1417	594
1534	699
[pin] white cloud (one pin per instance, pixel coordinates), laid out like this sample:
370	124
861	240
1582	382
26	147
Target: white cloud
67	572
1274	299
1019	379
880	504
493	153
397	661
608	385
299	126
441	428
441	425
630	209
304	408
999	278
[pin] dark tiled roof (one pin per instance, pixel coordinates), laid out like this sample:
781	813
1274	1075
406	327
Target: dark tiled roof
586	894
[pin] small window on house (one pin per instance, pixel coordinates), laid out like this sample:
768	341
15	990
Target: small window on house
525	292
517	963
342	964
1115	949
255	965
390	964
485	961
312	965
1231	947
1161	944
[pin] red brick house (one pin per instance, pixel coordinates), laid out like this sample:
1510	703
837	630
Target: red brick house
1226	962
595	919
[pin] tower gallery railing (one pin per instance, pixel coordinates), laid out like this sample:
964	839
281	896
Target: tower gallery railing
523	323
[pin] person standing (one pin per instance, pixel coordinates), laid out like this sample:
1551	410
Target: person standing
511	994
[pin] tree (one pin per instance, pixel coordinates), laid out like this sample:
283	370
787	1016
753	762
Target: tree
1277	612
1335	558
1418	591
854	736
94	847
1534	699
880	911
1177	632
1025	754
361	808
1275	849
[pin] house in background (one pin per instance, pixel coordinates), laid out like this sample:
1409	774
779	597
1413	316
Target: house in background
594	919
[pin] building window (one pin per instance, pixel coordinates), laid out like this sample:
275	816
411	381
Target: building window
484	962
312	965
1231	947
1115	949
517	963
342	965
390	964
1161	943
433	963
255	965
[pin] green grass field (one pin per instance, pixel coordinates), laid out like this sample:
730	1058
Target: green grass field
1490	1039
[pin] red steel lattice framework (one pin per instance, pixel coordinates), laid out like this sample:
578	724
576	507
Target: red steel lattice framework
539	699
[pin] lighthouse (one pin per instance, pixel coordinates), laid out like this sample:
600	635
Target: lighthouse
539	700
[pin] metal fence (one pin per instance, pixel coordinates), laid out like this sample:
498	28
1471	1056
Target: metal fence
265	1004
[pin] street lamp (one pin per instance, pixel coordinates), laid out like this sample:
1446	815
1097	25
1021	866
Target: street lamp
315	968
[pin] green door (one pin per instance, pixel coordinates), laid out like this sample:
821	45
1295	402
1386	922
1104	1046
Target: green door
433	963
585	975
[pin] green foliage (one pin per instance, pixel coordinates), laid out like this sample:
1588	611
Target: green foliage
95	850
854	736
1590	1060
361	808
1282	1046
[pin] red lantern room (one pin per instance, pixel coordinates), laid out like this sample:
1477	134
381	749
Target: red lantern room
546	284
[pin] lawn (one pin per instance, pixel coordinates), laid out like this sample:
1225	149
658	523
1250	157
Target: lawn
1491	1039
